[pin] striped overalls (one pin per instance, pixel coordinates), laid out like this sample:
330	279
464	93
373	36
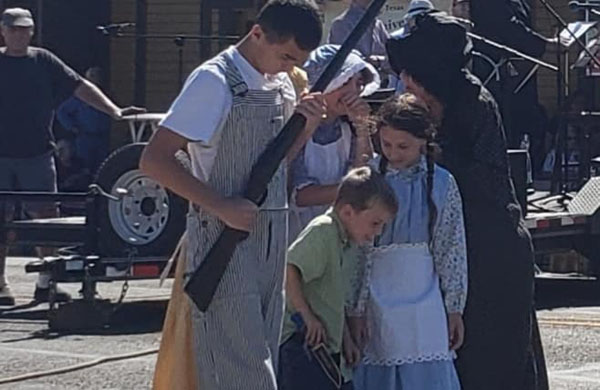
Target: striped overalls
236	340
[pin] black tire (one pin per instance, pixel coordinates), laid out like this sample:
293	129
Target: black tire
118	233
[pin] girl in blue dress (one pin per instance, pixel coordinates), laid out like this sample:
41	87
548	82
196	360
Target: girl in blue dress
339	142
415	287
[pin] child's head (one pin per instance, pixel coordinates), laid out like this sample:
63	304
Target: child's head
405	130
364	203
355	78
284	33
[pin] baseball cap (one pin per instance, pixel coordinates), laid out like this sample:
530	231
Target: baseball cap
418	6
16	17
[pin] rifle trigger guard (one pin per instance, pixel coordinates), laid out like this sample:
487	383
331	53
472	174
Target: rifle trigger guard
262	198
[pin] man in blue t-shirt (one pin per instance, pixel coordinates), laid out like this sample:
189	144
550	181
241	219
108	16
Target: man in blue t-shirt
90	127
34	83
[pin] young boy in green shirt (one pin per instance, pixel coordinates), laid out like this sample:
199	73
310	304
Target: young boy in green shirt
321	263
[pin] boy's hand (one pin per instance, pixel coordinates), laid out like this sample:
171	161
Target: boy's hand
315	331
351	352
238	213
312	106
359	330
357	109
456	330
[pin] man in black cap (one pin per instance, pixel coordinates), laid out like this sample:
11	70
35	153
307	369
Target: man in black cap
34	82
431	57
509	23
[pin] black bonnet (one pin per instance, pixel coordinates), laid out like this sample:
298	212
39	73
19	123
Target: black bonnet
432	47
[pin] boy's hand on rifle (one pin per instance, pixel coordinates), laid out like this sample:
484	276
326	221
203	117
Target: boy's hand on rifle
238	213
312	106
315	331
456	330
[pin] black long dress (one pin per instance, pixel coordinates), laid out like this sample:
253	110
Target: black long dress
496	353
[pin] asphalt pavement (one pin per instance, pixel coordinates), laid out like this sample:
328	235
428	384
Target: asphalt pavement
569	316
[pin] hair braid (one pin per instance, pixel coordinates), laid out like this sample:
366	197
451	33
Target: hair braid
432	208
383	163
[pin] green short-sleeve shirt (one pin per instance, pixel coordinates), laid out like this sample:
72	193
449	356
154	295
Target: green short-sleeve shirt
326	260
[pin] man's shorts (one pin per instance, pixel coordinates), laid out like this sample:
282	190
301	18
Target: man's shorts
29	174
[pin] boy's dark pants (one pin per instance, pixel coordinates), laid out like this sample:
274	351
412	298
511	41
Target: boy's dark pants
299	371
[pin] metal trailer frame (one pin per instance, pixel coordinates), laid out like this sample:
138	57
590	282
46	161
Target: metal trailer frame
80	262
576	229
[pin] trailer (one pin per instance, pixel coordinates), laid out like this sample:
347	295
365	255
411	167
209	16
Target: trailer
130	225
574	227
80	256
126	229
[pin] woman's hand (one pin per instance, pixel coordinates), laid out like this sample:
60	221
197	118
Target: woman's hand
358	330
351	351
357	109
456	330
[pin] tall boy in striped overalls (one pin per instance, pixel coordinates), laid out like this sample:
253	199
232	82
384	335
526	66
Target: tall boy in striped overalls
230	108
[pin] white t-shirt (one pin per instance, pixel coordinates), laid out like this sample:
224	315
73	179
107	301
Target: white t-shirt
201	109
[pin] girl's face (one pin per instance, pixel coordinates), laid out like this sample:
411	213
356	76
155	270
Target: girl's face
400	148
335	99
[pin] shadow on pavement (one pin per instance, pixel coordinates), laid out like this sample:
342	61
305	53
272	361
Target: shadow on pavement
137	317
147	316
566	292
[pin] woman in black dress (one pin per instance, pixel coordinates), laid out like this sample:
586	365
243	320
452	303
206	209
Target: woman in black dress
431	56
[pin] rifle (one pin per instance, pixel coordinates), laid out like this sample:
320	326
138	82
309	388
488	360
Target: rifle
204	281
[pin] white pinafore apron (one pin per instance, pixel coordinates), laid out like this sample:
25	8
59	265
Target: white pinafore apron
328	164
406	313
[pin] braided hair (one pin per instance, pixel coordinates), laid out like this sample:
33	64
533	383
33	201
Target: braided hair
407	113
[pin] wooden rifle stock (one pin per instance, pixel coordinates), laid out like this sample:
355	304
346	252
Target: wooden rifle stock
204	282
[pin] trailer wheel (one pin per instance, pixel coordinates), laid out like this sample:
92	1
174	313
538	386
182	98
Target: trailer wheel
149	218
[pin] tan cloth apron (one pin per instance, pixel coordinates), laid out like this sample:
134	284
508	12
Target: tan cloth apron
176	366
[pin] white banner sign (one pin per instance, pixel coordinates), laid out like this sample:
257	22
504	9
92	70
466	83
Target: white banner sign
391	14
393	11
